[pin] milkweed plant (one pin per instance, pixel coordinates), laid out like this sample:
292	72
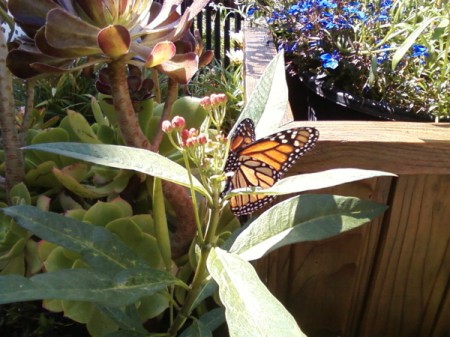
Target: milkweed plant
213	283
393	52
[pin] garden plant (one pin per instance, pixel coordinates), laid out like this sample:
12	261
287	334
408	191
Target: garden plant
96	223
395	53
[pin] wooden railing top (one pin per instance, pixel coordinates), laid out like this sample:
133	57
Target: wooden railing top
397	147
259	51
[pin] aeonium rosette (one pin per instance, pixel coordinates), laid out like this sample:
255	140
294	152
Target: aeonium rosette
64	35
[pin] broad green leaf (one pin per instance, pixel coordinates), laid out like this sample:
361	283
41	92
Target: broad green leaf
306	217
313	181
124	157
80	284
250	309
267	104
99	247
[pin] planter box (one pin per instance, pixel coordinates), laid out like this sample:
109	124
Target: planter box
390	277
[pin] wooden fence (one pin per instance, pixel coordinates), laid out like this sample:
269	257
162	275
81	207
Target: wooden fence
390	277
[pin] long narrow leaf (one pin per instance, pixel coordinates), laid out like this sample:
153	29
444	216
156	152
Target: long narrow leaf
124	157
403	49
313	181
250	309
303	218
81	284
100	248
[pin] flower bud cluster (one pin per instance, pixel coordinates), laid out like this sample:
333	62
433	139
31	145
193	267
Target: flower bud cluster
216	105
206	150
186	138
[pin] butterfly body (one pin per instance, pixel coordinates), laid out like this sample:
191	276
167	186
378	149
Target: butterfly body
262	162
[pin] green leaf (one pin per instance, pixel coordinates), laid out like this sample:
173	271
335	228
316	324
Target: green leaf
161	226
197	329
306	217
98	246
250	309
80	284
124	157
127	333
209	322
81	127
403	49
267	105
126	318
313	181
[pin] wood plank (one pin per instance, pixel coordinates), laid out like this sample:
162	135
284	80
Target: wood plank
324	284
410	284
257	56
398	147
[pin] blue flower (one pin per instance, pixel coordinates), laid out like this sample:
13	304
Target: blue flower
326	4
294	9
251	11
327	24
308	26
382	17
383	56
330	61
419	50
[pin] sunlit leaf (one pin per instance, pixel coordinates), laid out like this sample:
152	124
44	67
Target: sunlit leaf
250	309
307	217
313	181
126	158
81	284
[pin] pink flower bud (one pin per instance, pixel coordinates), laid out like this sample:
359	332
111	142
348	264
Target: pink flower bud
190	142
167	126
178	122
193	132
205	102
217	99
202	139
222	98
184	135
214	99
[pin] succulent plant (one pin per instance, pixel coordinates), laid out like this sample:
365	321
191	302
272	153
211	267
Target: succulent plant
58	33
67	35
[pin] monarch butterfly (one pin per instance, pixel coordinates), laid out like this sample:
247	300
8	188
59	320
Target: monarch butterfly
262	162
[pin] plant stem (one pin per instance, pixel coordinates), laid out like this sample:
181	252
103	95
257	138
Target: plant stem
157	86
14	163
200	272
29	106
126	116
194	199
172	95
133	136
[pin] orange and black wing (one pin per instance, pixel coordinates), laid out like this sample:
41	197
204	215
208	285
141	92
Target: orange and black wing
243	136
262	163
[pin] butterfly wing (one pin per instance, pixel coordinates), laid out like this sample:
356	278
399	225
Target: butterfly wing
243	136
263	162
